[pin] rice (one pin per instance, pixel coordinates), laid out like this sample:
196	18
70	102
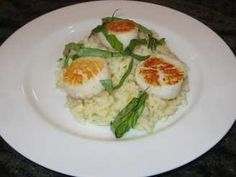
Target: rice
103	108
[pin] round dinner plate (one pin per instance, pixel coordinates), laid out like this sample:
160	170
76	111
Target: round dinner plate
35	121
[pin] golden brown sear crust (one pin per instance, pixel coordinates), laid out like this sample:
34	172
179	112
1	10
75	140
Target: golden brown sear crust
82	70
120	26
151	69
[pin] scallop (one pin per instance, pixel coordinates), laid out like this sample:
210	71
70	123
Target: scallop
81	79
124	30
161	75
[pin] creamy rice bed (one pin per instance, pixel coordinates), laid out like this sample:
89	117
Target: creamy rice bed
102	108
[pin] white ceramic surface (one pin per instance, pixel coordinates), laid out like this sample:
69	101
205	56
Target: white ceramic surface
35	122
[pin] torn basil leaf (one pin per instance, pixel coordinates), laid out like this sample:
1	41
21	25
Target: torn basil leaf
107	83
134	43
128	116
65	62
140	57
111	39
144	29
161	41
96	30
153	42
94	52
77	51
73	46
126	74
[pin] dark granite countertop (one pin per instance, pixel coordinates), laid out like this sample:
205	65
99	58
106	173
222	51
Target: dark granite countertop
220	16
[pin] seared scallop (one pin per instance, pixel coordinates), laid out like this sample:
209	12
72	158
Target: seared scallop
161	76
81	79
124	30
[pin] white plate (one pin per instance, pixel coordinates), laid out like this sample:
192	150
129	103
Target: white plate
35	122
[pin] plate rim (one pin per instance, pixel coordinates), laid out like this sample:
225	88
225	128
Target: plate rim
93	2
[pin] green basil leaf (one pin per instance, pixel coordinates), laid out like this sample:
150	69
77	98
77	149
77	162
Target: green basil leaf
112	39
124	126
144	29
128	116
125	111
161	41
107	84
123	114
140	57
70	49
134	43
126	74
65	62
90	52
114	42
94	52
73	46
96	30
74	57
139	108
153	42
142	98
133	120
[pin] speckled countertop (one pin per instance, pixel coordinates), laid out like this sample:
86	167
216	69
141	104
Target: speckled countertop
220	16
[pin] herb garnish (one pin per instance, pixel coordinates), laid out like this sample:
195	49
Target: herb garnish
128	116
112	39
76	50
134	43
153	42
140	57
94	52
107	83
144	29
